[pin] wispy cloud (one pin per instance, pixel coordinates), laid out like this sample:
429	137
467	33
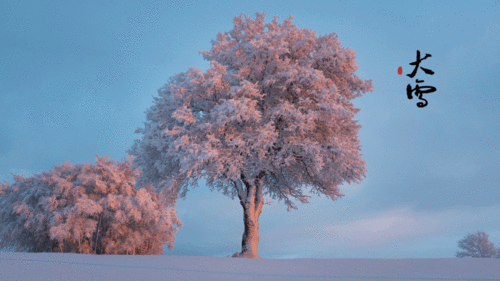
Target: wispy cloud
389	229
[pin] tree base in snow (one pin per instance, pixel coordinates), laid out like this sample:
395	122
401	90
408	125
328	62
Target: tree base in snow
245	255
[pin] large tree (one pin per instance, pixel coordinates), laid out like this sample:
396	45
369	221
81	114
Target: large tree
272	115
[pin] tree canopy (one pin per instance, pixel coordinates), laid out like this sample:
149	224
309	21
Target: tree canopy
276	101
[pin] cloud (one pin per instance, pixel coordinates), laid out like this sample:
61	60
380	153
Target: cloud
391	228
381	228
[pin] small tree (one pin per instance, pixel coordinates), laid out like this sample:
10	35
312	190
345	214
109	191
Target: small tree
477	246
90	209
273	114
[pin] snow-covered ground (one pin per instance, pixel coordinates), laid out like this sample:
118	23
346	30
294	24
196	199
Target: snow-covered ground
60	266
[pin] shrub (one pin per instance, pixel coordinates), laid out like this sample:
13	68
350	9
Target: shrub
89	209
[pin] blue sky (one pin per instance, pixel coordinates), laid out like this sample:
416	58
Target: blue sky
76	79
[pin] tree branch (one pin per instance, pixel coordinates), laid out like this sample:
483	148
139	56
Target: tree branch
241	192
247	184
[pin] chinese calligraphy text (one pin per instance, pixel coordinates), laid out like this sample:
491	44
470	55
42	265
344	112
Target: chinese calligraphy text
418	89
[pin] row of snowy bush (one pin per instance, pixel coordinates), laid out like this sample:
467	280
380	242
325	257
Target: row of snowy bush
88	209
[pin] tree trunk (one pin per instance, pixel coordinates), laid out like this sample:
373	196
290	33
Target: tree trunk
251	200
97	236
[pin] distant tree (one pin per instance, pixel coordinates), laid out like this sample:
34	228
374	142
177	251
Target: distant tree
273	113
476	246
90	209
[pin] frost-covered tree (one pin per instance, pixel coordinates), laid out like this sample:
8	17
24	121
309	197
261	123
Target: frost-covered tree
90	209
271	115
476	246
